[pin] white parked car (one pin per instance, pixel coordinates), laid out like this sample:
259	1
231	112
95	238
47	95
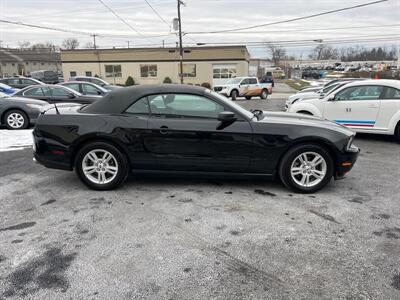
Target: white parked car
371	106
320	94
244	87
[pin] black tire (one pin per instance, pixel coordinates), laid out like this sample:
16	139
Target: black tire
288	159
234	95
122	166
248	97
264	94
397	132
13	125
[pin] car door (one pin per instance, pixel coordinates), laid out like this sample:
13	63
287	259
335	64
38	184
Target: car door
356	107
88	89
187	136
62	95
254	87
244	87
390	105
74	85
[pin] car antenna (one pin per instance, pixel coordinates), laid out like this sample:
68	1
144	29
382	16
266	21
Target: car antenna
55	106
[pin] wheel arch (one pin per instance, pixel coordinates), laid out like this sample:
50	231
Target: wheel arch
3	114
394	123
92	138
326	144
306	107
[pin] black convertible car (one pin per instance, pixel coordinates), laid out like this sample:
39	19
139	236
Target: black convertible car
189	130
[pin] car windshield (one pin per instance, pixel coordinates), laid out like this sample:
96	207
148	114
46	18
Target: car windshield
236	106
234	80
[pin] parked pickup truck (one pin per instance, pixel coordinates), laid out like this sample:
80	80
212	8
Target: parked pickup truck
244	87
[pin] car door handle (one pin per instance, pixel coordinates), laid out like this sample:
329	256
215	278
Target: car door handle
373	106
164	129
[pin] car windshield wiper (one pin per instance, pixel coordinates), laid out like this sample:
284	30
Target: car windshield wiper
257	113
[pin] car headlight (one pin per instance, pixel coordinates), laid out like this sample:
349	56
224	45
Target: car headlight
36	106
350	142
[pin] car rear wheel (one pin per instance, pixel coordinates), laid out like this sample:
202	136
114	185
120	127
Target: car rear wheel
306	168
101	166
248	97
16	119
234	95
264	94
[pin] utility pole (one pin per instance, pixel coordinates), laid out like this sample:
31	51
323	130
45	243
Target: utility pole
94	40
128	44
180	41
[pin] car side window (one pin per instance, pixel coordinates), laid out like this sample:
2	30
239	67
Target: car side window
96	81
74	86
245	81
184	105
253	81
141	106
391	93
59	92
13	81
363	92
27	81
37	91
90	90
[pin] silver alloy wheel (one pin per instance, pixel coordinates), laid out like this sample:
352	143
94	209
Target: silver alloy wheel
100	166
15	120
308	169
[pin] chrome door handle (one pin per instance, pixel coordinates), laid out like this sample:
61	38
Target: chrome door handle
164	129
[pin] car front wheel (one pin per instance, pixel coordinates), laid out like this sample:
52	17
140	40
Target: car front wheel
306	168
234	95
101	166
16	119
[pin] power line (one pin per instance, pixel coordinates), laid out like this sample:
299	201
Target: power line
156	12
123	21
291	20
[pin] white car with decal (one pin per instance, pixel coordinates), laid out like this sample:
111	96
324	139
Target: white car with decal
370	106
244	87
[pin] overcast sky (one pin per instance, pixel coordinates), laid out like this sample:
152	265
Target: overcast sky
201	15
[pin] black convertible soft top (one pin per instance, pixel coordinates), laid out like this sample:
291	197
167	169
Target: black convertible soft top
118	100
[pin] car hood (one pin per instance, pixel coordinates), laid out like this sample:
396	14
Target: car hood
304	120
303	95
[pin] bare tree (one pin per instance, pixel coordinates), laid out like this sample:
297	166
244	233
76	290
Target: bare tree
89	45
277	52
70	43
324	52
24	44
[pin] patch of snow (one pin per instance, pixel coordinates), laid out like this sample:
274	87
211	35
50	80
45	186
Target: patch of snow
11	140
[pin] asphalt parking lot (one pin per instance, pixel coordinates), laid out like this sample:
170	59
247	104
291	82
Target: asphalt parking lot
188	238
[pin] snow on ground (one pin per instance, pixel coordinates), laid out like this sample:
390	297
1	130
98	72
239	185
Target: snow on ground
11	140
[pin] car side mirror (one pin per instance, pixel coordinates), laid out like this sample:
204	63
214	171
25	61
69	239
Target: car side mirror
331	98
99	93
226	116
71	96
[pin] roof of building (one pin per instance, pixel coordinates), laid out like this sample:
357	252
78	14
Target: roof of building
203	53
21	55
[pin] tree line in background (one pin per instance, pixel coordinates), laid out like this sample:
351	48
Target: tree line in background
69	44
326	52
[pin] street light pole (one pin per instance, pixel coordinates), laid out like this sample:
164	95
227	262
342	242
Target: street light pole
180	42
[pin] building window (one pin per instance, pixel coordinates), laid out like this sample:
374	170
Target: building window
13	64
26	63
42	64
148	70
88	73
225	72
113	71
72	73
189	70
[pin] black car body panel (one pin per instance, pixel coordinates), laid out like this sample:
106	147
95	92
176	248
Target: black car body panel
247	146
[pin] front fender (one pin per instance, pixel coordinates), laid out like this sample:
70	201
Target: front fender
297	107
